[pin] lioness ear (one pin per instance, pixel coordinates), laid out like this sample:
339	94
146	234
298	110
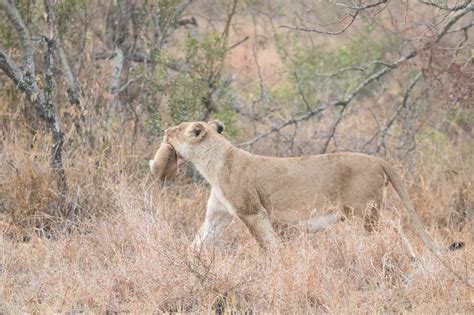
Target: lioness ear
196	131
217	125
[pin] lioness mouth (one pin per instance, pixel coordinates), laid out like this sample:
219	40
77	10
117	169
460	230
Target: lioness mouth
165	163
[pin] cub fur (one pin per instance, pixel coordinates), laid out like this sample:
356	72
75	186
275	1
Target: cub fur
315	191
165	163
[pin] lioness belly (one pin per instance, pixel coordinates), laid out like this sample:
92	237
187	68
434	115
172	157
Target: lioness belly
293	200
304	188
311	206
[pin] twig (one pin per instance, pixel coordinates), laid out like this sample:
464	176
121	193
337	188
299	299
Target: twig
333	130
397	112
303	29
387	67
356	68
446	7
287	123
453	20
359	8
353	16
238	43
74	89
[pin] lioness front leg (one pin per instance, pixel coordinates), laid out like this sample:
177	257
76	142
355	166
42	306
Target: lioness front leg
261	228
217	219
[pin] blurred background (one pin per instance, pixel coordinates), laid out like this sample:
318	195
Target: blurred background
88	86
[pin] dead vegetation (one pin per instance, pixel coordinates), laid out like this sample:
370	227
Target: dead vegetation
114	240
125	247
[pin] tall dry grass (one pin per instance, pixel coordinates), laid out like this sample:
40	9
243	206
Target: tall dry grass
117	241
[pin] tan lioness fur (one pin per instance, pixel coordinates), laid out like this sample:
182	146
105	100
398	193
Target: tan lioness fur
315	191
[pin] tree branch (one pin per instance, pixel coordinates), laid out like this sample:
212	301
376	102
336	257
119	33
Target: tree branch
333	130
30	89
375	76
304	29
397	112
26	81
13	72
24	38
73	91
238	43
353	16
446	7
453	20
58	135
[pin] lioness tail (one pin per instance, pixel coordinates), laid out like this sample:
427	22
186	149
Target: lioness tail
399	187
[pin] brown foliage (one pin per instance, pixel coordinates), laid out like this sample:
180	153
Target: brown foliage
117	241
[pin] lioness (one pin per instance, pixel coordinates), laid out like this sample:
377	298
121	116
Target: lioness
315	191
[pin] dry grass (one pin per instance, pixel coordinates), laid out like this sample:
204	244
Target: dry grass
115	241
125	248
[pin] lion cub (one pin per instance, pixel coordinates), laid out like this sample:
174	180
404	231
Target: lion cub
297	190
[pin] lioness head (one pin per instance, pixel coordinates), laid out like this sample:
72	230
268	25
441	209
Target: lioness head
180	142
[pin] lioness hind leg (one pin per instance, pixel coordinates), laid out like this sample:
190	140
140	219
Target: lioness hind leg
322	223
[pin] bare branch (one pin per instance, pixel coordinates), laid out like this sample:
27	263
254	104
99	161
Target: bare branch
356	68
344	102
238	43
29	88
14	73
453	20
375	76
26	81
164	29
446	7
397	112
24	37
332	133
225	32
364	7
353	16
287	123
303	29
73	90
